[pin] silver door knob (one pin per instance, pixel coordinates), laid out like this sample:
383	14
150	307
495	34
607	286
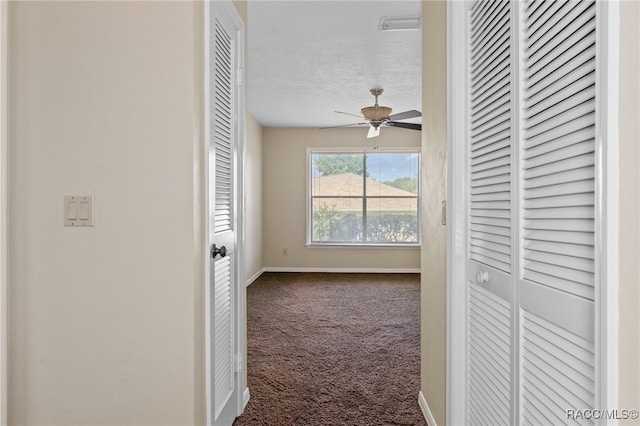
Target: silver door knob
482	277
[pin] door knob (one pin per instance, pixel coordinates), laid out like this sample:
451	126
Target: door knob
482	277
222	251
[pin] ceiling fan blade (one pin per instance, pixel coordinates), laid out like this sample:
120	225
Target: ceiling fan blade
373	132
411	126
348	113
405	115
345	125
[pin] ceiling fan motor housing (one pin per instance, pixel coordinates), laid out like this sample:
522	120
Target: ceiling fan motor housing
376	112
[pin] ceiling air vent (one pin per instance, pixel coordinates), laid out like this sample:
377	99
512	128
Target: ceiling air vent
400	23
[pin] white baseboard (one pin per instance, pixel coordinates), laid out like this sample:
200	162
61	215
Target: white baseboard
245	398
254	277
345	270
426	412
332	270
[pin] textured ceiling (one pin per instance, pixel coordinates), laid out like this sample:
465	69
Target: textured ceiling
307	59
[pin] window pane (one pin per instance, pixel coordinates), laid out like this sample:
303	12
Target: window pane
337	175
392	220
392	174
337	220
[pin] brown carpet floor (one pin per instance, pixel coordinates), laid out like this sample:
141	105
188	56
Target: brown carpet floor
333	349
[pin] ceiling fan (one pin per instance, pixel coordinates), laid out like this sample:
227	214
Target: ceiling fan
377	116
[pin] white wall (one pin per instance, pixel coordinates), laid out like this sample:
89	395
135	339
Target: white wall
253	200
284	183
102	319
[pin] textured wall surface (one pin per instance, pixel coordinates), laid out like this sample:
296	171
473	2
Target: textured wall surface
102	319
434	150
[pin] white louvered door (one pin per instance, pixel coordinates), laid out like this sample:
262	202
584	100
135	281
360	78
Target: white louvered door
531	243
489	249
223	143
557	225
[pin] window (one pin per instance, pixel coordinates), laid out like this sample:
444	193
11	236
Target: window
359	197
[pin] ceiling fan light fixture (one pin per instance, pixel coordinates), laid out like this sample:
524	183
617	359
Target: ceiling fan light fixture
400	23
376	113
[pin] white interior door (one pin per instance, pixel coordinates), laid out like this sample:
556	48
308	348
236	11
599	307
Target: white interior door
531	235
489	267
224	137
557	224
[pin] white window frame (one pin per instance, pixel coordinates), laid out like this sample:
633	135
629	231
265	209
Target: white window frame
365	151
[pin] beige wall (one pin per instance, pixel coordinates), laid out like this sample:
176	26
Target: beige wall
253	200
241	7
285	194
3	209
252	183
629	348
434	178
102	319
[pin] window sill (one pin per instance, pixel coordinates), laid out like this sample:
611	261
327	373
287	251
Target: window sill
363	246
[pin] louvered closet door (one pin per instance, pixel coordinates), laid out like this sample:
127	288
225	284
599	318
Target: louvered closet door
222	194
557	226
531	266
489	248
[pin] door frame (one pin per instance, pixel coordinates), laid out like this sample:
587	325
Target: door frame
607	181
3	210
239	121
457	197
607	205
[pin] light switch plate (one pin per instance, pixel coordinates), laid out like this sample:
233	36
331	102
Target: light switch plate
78	210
